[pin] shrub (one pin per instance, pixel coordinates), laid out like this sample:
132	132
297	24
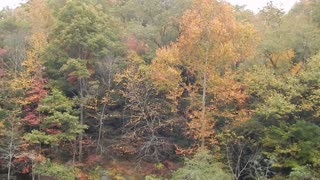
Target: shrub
200	167
55	170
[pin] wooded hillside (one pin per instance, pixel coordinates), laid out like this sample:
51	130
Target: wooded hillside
159	89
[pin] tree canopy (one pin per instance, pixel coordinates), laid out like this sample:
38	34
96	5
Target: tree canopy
161	89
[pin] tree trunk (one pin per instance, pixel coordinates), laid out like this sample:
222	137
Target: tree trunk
33	175
74	152
81	135
204	87
100	129
10	152
82	85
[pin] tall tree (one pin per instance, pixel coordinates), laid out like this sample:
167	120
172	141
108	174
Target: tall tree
145	111
211	42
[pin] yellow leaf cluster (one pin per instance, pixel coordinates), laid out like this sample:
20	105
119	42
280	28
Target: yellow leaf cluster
282	58
39	15
165	73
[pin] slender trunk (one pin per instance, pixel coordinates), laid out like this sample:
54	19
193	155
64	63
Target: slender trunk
99	146
81	116
109	75
203	113
33	174
10	152
81	135
204	87
74	152
9	171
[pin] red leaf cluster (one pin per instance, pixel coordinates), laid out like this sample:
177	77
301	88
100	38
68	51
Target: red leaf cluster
133	44
24	146
3	51
53	131
26	169
72	79
33	97
31	119
93	159
37	92
86	141
22	164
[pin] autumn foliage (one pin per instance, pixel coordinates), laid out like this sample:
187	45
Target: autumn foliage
211	43
159	89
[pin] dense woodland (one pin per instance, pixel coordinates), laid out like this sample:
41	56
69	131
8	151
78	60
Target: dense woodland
159	89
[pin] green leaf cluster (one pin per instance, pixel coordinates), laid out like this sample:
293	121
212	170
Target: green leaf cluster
201	166
58	115
55	170
293	145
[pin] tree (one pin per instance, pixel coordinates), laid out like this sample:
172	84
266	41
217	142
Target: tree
211	42
10	112
240	154
274	45
83	35
286	114
13	39
24	87
40	17
10	145
145	120
58	124
287	39
30	79
303	38
292	145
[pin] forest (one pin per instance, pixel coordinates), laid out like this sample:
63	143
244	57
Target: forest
159	90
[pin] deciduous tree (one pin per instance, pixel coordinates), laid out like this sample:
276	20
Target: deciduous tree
211	42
